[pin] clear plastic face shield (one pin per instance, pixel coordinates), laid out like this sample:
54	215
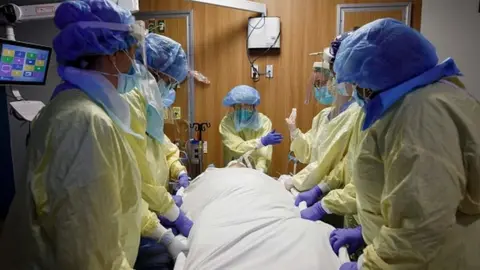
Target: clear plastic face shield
320	77
141	79
246	107
245	116
148	86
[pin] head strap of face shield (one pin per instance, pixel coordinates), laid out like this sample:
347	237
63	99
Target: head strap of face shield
137	30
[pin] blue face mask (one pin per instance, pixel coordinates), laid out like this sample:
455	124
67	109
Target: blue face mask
246	119
244	115
127	82
358	99
323	96
169	98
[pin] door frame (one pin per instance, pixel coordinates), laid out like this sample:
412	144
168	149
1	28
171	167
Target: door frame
405	7
188	15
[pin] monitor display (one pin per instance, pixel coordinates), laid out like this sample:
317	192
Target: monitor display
23	63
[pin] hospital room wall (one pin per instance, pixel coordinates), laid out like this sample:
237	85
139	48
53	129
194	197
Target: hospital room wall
453	27
220	53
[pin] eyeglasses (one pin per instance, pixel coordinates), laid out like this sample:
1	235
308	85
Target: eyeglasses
169	81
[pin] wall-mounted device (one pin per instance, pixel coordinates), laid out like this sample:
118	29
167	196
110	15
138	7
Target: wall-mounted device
263	34
23	63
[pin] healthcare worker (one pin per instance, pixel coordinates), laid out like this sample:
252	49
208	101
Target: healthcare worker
245	129
324	147
167	62
340	201
81	204
154	172
417	173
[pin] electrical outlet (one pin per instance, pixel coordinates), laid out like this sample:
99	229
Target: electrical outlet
269	71
255	72
177	113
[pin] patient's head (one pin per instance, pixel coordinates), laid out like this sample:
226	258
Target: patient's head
236	164
246	161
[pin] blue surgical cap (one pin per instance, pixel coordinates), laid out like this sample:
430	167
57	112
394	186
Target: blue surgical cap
242	94
383	54
165	55
74	41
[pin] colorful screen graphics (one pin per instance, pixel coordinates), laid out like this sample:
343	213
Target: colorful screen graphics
23	64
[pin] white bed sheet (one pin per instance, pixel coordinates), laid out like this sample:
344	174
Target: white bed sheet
245	219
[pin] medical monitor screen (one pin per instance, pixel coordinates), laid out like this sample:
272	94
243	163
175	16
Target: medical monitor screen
23	63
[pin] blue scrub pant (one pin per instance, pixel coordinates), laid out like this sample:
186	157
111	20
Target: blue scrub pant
153	256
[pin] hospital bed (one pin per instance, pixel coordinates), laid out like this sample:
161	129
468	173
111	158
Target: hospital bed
245	219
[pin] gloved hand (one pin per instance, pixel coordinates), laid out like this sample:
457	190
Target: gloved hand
183	224
291	121
310	196
271	138
349	266
183	180
178	200
314	212
352	238
173	244
168	224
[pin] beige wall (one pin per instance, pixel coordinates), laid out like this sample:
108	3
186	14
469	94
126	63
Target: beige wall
453	26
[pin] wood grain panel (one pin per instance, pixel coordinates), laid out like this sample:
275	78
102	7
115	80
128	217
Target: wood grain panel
220	53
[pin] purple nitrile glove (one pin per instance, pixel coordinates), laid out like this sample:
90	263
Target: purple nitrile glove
271	138
178	200
352	238
310	196
314	212
183	224
349	266
168	224
183	180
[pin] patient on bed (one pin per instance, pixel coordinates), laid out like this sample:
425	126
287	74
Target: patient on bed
246	220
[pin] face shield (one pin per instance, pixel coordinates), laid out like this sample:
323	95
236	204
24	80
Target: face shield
318	84
139	78
245	116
